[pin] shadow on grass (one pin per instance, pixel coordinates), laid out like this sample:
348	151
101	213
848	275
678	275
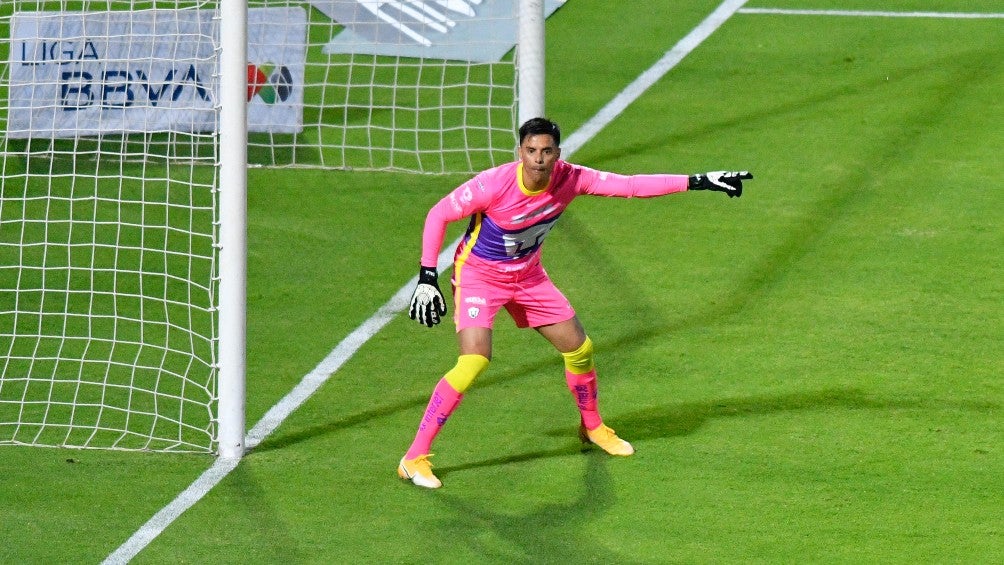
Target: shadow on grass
673	420
556	531
517	458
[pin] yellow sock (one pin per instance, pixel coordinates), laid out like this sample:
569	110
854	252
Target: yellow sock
467	369
580	361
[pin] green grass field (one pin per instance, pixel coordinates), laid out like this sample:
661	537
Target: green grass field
810	374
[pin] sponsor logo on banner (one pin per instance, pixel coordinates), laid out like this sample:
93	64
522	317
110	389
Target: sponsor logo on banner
270	83
77	74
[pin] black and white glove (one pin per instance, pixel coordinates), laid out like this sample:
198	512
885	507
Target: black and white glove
729	182
427	303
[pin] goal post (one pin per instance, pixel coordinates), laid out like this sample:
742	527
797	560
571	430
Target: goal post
233	225
128	129
530	54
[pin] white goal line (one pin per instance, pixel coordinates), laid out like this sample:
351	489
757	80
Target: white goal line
874	14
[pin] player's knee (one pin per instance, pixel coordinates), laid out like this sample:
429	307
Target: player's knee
467	369
580	361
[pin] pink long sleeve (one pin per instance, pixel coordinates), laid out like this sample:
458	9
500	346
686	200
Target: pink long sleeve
634	186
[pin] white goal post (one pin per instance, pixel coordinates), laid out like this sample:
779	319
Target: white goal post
233	226
128	129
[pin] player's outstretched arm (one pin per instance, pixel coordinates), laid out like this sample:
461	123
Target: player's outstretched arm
729	182
427	303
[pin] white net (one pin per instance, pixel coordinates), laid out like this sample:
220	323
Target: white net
108	223
423	86
109	228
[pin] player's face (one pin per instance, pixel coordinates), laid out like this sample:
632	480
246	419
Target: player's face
538	154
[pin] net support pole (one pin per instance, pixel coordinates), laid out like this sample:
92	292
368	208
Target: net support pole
233	227
530	59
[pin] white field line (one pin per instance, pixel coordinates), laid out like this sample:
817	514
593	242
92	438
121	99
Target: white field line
874	14
652	75
355	340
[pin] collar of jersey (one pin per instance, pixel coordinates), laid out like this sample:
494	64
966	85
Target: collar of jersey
524	189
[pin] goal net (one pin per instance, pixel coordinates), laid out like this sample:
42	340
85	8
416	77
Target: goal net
110	223
425	86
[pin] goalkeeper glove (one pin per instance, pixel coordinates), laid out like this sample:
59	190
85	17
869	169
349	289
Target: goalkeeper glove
427	303
729	182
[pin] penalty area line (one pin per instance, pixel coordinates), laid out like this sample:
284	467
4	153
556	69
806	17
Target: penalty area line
874	14
652	75
344	351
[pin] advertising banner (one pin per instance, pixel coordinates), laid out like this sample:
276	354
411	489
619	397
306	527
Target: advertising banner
78	74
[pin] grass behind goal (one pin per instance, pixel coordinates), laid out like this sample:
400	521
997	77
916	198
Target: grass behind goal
121	329
809	373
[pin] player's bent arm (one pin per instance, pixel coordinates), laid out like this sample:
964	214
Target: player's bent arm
428	306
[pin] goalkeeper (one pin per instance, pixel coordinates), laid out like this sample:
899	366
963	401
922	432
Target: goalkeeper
497	264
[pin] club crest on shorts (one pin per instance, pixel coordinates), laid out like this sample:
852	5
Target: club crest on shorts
473	312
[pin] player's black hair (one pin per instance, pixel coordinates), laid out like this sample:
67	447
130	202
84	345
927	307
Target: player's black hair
539	126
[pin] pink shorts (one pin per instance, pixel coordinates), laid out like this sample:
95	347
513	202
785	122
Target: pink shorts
530	297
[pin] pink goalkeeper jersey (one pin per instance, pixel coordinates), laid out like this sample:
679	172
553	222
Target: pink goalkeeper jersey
509	223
